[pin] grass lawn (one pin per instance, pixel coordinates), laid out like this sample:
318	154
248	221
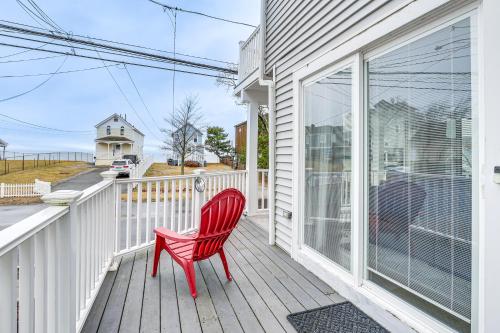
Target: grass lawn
163	169
52	173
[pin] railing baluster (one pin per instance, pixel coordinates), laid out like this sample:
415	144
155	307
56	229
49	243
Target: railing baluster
157	204
172	208
26	286
129	211
193	213
148	212
179	214
165	202
118	217
139	217
8	290
40	282
186	205
83	255
52	279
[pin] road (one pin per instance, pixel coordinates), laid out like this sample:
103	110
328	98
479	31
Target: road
12	214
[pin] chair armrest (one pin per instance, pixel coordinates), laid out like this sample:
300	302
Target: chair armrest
172	235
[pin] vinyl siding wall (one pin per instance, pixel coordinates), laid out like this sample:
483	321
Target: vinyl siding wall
298	31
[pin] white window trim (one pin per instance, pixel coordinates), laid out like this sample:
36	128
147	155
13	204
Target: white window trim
365	294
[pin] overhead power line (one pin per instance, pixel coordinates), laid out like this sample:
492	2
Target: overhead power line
142	99
127	99
59	72
122	43
122	50
42	126
35	87
110	60
165	6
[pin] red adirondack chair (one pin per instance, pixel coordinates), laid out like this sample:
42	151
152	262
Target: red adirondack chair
219	217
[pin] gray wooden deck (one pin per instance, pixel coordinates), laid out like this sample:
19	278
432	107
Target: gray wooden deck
267	286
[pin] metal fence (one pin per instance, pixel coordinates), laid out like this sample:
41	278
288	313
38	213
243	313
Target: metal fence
17	161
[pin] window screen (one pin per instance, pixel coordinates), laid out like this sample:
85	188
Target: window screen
420	172
327	121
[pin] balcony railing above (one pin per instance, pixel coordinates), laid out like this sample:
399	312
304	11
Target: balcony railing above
249	55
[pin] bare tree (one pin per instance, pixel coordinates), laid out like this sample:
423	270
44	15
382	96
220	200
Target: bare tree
226	80
183	128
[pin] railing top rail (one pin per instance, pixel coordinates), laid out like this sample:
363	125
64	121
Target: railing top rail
146	179
19	232
93	190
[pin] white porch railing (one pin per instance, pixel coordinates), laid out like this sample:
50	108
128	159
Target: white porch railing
249	55
263	177
53	263
173	202
35	189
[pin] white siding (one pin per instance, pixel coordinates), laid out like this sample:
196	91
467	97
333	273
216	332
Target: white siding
298	31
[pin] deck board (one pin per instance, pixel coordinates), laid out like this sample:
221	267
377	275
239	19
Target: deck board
169	310
150	319
131	316
267	285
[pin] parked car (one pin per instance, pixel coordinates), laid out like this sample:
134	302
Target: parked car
133	158
123	167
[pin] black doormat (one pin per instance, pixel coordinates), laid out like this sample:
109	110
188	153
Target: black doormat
335	318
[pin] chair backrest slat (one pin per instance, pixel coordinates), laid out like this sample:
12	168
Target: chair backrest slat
219	217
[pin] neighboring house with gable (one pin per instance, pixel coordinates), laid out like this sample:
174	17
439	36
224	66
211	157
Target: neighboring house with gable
116	137
196	149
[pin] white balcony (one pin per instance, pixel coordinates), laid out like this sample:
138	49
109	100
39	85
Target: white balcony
250	53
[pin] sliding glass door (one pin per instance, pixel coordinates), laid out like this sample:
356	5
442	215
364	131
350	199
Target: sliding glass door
327	166
420	153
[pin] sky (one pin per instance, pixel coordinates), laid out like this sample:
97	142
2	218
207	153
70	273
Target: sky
78	101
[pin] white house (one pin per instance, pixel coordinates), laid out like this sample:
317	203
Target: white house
195	145
116	137
383	144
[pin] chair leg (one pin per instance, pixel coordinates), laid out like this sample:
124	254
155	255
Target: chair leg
224	263
158	248
191	277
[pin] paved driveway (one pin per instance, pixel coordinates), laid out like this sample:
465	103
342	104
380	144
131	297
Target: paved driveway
12	214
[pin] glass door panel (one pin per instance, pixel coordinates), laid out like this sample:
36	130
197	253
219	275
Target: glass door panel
327	204
420	172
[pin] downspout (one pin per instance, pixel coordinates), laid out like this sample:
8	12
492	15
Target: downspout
272	122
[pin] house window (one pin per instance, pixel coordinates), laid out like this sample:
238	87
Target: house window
122	130
108	130
420	173
327	200
195	139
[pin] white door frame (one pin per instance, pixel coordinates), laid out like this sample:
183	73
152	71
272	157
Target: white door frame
372	299
301	251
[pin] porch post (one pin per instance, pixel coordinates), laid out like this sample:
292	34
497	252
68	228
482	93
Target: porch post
251	157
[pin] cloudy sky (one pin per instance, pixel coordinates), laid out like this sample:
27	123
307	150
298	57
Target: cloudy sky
78	101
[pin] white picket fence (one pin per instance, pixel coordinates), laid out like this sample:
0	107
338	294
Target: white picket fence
35	189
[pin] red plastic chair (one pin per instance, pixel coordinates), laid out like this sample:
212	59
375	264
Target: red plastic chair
219	217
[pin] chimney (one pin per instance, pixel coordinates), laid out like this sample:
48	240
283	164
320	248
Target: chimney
125	117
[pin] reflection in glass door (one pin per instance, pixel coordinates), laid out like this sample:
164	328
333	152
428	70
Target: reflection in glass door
420	113
327	197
